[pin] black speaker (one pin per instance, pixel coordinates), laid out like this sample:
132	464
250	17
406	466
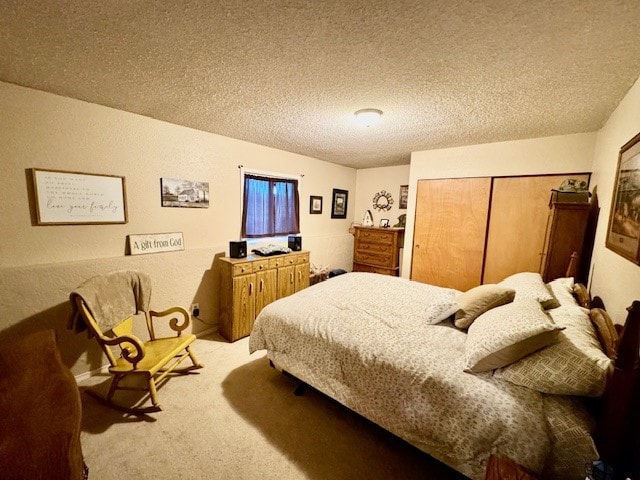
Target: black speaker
295	243
238	249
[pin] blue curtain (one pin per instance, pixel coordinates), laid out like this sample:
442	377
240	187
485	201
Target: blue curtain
270	208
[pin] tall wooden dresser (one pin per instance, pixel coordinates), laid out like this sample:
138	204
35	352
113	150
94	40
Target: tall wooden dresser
249	284
565	234
377	250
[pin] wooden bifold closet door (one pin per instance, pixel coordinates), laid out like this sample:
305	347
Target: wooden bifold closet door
450	231
470	231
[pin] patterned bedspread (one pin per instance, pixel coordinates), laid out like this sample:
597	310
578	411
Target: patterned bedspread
362	339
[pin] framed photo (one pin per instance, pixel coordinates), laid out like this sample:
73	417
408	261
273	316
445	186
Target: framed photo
404	196
315	205
184	193
72	198
339	203
623	234
384	223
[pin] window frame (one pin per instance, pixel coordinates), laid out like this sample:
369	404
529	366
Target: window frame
275	176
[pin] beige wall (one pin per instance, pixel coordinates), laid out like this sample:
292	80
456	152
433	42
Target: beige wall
40	265
370	181
614	278
558	154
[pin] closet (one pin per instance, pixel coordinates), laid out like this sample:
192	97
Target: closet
470	231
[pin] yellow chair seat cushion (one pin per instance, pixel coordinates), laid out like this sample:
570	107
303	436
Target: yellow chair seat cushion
157	353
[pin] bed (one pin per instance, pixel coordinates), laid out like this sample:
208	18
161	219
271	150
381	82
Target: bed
389	349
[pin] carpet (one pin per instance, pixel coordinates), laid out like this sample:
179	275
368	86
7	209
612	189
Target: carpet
238	419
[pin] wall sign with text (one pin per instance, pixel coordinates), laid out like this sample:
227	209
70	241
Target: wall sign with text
155	243
68	198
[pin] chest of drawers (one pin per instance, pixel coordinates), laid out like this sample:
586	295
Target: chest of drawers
249	284
377	250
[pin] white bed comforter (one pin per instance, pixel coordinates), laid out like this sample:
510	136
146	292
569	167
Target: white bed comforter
361	339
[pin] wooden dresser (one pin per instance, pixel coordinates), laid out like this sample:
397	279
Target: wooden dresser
565	234
377	250
247	285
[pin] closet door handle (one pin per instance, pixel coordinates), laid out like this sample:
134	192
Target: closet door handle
250	288
261	285
291	277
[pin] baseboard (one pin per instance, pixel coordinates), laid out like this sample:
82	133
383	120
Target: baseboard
86	375
105	368
207	331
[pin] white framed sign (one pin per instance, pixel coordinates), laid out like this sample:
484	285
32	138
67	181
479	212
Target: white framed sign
70	198
155	243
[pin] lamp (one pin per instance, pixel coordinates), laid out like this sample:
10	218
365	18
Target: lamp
368	116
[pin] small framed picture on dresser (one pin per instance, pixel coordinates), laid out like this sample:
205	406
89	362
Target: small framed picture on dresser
384	223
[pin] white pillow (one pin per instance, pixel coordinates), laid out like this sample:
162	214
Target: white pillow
574	365
562	289
530	285
443	306
505	334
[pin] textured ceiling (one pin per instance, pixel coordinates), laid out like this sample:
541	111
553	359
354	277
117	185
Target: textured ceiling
290	74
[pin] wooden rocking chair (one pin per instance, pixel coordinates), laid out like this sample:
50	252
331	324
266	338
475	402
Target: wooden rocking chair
106	306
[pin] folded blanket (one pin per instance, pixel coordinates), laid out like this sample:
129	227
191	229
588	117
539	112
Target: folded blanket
111	298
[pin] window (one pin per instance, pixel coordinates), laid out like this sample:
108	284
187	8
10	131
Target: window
270	207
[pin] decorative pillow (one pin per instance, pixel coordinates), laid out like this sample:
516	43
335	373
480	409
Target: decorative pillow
439	311
605	331
507	333
477	300
562	289
530	285
574	365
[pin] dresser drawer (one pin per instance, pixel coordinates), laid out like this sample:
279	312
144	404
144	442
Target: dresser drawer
361	267
372	258
260	265
286	260
242	268
376	236
366	247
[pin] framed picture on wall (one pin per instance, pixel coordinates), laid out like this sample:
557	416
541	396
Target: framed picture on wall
184	193
623	234
339	203
75	198
315	204
404	196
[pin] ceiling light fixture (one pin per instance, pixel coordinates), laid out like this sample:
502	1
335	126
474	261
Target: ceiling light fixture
368	116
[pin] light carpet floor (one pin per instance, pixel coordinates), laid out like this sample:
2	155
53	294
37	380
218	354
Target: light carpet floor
239	419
